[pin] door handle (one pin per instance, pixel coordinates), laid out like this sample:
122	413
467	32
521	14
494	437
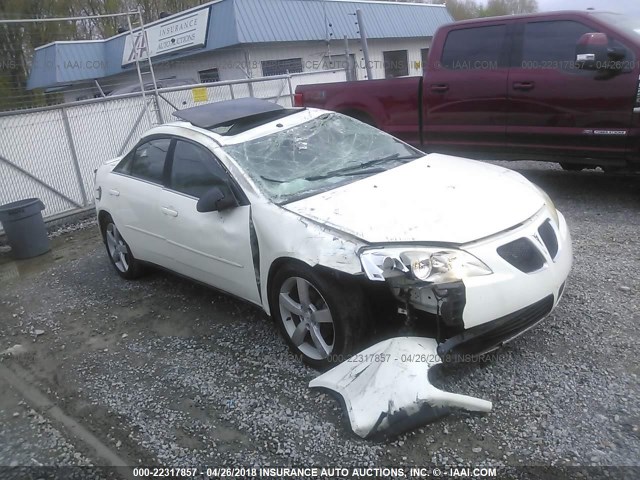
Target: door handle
169	211
115	193
439	87
523	85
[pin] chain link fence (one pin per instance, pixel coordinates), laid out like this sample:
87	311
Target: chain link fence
52	152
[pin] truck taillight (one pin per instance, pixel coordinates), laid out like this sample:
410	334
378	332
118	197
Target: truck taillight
298	100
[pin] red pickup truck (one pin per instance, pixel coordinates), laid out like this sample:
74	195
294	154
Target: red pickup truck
560	86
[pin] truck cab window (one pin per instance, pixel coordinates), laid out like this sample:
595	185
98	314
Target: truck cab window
475	48
552	44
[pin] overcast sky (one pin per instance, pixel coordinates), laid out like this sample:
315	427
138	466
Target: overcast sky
623	6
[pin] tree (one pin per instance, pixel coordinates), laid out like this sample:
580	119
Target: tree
509	7
464	9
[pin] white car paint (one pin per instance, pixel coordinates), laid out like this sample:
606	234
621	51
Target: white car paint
470	205
386	387
436	198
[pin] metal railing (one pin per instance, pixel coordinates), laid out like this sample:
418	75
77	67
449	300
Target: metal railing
52	152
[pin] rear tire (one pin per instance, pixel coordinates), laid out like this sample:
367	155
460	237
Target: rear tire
320	321
119	252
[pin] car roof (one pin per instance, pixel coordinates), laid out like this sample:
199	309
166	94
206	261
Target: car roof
273	122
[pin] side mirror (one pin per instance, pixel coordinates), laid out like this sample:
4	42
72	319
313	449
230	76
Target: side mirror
593	53
215	200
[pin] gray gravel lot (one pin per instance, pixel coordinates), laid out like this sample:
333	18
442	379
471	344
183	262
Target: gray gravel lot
164	371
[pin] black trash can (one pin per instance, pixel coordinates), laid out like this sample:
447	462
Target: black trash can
22	222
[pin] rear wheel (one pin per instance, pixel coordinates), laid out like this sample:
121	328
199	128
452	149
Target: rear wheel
320	321
119	252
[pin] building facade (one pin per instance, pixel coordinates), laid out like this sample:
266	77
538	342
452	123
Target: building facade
240	39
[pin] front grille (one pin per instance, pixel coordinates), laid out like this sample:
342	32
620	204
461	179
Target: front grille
522	254
549	238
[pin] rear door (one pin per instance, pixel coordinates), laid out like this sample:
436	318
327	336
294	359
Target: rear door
212	247
559	110
135	188
465	88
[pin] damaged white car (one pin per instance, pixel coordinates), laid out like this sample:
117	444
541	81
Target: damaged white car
327	223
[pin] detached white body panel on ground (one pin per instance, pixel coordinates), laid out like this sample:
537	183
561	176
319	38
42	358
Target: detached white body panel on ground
386	388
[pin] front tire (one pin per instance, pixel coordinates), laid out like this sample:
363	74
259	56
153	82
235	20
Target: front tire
320	321
119	252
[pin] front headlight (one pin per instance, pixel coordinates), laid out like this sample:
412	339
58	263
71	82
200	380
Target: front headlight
426	264
552	208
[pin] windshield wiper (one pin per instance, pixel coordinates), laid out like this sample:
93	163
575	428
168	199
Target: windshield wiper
368	171
353	169
273	179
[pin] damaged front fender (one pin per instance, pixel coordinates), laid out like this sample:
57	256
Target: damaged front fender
386	389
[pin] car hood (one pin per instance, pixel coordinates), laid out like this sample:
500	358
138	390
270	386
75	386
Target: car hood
437	198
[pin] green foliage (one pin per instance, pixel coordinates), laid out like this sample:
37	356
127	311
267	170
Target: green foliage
18	40
465	9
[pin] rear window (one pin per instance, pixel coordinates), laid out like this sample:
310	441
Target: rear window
474	48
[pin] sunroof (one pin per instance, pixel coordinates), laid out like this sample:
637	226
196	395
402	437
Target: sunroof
247	123
231	112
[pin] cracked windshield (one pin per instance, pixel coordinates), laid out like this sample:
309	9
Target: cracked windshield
323	153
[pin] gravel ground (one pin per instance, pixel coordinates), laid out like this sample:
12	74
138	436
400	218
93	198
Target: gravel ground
167	372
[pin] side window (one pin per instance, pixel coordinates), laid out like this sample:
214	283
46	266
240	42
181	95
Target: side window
195	170
147	162
124	165
478	48
552	44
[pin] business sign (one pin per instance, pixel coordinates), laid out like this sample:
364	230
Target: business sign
175	34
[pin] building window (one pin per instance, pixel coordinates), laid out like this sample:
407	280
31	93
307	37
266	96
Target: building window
424	56
396	63
281	67
208	76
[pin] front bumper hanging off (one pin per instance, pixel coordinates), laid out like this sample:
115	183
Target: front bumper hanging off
386	389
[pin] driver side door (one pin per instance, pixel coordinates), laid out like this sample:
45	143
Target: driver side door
212	247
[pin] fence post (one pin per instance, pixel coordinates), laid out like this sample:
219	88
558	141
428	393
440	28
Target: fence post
231	90
74	157
156	101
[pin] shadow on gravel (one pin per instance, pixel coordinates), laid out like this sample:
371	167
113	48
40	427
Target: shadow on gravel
604	190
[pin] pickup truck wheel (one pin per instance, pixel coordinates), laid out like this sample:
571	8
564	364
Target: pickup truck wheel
572	167
319	321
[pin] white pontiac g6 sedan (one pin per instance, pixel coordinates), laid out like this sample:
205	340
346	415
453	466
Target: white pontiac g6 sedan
327	223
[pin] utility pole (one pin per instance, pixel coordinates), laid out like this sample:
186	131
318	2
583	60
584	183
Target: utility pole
365	46
348	67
